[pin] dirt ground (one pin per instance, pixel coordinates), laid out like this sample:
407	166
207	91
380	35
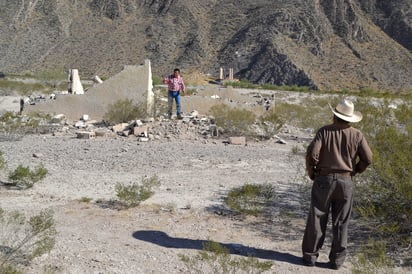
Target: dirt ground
186	210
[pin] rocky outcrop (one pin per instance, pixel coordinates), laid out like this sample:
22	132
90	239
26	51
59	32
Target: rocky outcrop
327	45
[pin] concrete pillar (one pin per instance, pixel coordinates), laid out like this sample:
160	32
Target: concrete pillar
221	76
231	74
75	85
150	94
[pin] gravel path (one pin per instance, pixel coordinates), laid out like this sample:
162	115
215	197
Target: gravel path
186	210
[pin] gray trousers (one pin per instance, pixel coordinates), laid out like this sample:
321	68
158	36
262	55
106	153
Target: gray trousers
329	193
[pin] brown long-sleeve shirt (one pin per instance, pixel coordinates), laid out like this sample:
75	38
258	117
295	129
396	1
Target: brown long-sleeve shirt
338	148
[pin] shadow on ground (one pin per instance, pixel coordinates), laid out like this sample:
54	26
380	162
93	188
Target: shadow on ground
162	239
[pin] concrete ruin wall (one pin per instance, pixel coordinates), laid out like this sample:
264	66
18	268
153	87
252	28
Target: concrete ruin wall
133	82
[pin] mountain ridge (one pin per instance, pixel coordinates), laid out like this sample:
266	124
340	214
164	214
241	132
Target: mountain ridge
327	45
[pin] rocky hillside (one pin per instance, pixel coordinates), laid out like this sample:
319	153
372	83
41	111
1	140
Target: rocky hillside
325	44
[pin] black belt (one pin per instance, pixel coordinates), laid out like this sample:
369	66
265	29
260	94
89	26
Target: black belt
338	174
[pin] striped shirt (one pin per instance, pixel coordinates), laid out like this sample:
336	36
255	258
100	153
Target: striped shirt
175	83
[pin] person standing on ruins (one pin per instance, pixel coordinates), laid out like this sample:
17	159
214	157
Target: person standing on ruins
336	154
175	85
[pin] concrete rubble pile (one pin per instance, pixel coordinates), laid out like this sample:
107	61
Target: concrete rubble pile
191	127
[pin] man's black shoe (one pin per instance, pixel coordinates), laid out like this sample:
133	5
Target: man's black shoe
308	263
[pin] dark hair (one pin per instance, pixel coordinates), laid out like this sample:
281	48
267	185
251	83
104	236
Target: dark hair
176	69
340	120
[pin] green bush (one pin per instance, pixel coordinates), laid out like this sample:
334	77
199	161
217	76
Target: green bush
12	123
10	87
250	199
26	178
241	84
2	161
271	122
133	194
313	114
23	239
371	258
217	258
384	192
123	111
286	88
157	80
234	121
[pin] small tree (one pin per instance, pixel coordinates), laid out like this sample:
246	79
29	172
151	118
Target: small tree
22	240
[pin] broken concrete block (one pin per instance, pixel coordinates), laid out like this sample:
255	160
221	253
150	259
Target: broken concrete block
237	140
59	118
281	141
85	135
99	133
194	113
97	79
80	124
124	133
141	131
139	123
120	127
143	139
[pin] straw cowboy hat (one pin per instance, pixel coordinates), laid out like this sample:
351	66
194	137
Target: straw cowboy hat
345	110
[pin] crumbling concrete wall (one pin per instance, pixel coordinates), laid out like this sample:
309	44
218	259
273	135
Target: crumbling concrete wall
133	82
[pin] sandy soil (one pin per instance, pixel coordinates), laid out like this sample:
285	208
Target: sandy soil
186	210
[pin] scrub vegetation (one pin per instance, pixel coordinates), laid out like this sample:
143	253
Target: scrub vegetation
217	259
123	111
133	194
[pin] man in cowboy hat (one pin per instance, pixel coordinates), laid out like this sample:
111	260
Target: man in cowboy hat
336	154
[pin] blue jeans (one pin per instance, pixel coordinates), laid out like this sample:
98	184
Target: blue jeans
176	96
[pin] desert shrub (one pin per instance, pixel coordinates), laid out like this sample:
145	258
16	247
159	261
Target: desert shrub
286	88
234	121
11	122
10	87
123	111
241	84
157	80
22	240
217	258
367	91
298	115
250	199
371	258
2	161
85	199
133	194
26	178
384	191
52	78
270	123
